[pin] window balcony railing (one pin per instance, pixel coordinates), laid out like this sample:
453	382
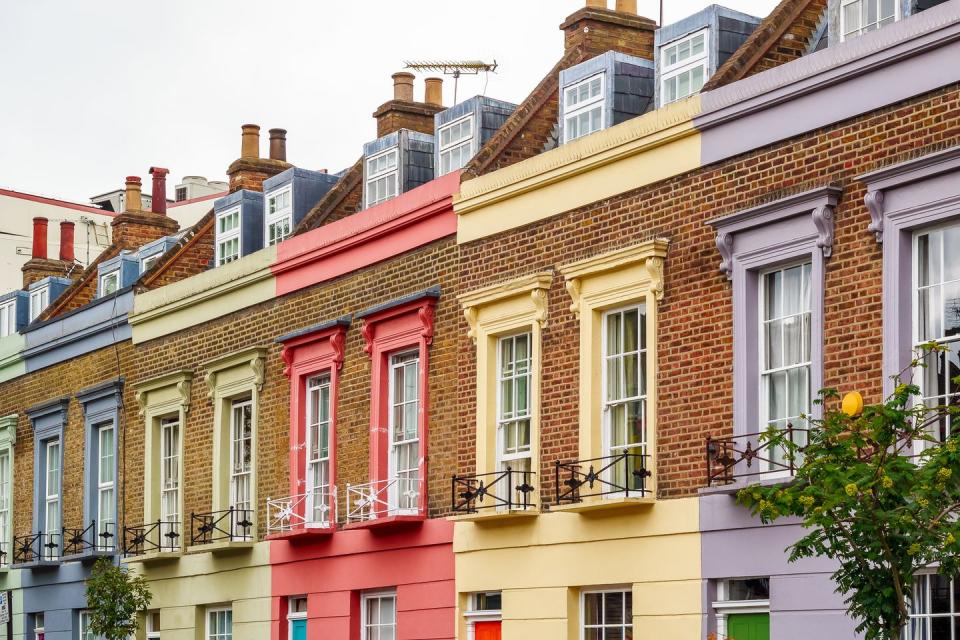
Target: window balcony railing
5	556
162	536
36	547
622	475
383	498
505	491
751	455
312	510
232	525
93	539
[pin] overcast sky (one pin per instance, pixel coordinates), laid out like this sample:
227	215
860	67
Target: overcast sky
96	90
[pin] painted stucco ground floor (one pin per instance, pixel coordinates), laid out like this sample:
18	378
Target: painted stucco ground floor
747	574
397	578
555	574
50	600
195	592
10	583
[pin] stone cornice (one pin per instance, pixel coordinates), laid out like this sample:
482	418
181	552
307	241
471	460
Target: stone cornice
535	286
182	379
252	357
8	430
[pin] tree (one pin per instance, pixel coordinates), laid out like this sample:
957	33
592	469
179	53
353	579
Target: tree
870	501
114	597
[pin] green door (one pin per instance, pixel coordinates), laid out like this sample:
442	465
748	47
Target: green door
748	626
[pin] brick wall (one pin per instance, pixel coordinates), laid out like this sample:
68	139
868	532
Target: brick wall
795	41
260	326
695	334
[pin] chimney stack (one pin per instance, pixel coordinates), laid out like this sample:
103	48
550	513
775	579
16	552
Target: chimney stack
132	199
595	29
278	144
250	141
403	86
66	242
597	4
158	202
627	6
39	238
434	92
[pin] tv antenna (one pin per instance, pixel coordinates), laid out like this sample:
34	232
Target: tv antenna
452	68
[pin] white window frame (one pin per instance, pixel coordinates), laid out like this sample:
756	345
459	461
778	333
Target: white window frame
39	300
317	385
463	142
396	361
473	615
8	318
280	215
669	72
170	520
293	616
570	111
844	33
152	632
607	426
382	175
764	373
241	480
525	458
39	622
583	609
211	611
52	500
223	237
6	503
725	607
106	277
83	624
147	263
365	603
106	488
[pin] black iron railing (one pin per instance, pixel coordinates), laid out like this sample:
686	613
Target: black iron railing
752	454
506	490
102	539
5	554
36	547
218	526
162	536
624	474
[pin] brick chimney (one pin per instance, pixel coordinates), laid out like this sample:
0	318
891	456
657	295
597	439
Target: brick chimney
135	227
278	144
597	29
39	266
250	170
403	112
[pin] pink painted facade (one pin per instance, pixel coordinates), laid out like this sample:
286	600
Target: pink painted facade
394	550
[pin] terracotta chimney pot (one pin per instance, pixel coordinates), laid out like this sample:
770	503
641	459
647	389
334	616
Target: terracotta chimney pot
250	141
597	4
278	144
66	241
403	86
158	203
40	238
627	6
434	94
133	200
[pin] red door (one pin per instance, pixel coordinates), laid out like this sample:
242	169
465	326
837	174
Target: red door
487	630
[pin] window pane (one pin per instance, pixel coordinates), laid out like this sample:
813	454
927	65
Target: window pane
940	595
951	257
773	345
592	608
951	311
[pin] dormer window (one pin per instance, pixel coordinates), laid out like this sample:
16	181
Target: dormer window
860	16
39	299
684	65
583	108
147	263
279	218
456	144
109	283
8	318
228	236
382	177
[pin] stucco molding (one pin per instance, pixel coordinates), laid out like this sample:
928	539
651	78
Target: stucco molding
535	286
8	430
253	359
181	380
424	303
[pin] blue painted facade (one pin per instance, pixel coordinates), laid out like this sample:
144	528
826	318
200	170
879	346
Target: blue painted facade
251	218
22	300
307	188
415	158
487	115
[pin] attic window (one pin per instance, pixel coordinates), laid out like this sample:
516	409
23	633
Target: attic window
109	283
181	194
683	67
147	263
279	218
39	299
861	16
228	236
382	177
456	144
8	318
583	108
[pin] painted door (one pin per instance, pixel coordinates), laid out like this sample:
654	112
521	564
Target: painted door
748	626
298	630
487	630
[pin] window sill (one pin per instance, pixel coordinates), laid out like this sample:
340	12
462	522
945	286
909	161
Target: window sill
222	547
386	522
743	483
154	557
494	515
304	533
37	564
88	556
594	505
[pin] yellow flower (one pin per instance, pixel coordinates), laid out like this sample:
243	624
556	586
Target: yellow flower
851	489
944	473
806	501
923	502
951	446
914	549
887	482
950	539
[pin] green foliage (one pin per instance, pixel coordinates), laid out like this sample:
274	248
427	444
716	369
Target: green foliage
870	502
114	597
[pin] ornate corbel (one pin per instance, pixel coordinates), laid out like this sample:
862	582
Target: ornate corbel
539	297
573	288
427	315
823	221
470	313
142	403
654	268
183	388
367	332
725	246
211	379
337	342
257	366
874	202
286	354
